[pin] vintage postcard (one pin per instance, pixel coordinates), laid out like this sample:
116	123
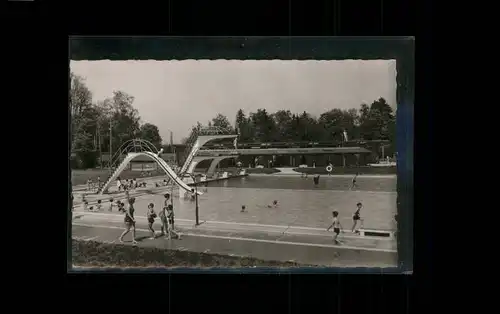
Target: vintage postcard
234	163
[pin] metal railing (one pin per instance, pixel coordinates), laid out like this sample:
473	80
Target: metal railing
134	145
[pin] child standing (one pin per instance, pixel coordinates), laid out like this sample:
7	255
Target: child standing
356	217
110	208
119	184
164	222
170	219
151	219
336	226
353	183
121	207
129	221
98	206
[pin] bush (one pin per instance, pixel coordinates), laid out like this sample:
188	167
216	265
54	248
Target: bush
96	254
88	159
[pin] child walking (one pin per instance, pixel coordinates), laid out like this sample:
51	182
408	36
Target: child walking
336	226
129	221
151	219
357	217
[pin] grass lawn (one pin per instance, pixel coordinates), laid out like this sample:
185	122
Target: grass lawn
79	177
96	254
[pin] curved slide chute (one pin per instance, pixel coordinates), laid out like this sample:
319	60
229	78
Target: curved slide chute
163	164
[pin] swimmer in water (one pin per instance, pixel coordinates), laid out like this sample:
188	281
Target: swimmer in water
336	226
353	183
316	180
356	217
275	204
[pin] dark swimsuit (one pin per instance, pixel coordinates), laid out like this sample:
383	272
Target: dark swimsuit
356	216
128	220
170	218
151	218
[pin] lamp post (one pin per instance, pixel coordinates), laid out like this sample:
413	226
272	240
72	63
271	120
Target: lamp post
172	148
110	142
197	210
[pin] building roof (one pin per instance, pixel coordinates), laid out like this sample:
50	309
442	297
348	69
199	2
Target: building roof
287	151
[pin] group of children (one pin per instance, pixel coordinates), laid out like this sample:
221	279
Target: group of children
99	206
91	185
166	215
337	226
128	184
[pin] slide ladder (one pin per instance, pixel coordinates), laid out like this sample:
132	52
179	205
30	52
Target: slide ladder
189	153
193	146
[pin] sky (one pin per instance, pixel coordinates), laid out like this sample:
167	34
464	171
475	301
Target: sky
174	95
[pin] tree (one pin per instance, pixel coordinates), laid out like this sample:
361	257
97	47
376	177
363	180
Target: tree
80	96
243	127
83	122
283	121
240	119
264	126
377	122
336	121
151	133
124	118
222	121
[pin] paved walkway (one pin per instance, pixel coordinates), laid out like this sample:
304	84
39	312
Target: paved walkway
252	231
278	250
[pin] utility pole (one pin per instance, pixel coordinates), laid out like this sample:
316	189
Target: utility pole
100	146
172	148
110	143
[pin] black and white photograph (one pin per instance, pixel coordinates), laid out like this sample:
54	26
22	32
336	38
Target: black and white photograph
233	163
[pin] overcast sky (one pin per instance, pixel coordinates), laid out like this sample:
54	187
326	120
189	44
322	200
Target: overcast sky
174	95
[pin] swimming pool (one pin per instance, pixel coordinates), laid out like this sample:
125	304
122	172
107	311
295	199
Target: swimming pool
300	202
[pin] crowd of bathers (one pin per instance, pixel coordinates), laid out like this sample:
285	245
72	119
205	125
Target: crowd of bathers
165	215
92	185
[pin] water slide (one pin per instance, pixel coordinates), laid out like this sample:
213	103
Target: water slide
163	164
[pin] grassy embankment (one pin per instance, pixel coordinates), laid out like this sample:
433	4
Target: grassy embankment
96	254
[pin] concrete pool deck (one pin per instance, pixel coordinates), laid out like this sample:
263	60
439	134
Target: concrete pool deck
297	248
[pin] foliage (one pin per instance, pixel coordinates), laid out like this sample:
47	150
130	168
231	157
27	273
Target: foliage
221	121
94	125
374	122
150	133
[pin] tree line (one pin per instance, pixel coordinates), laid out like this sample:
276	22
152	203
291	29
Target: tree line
372	122
97	126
